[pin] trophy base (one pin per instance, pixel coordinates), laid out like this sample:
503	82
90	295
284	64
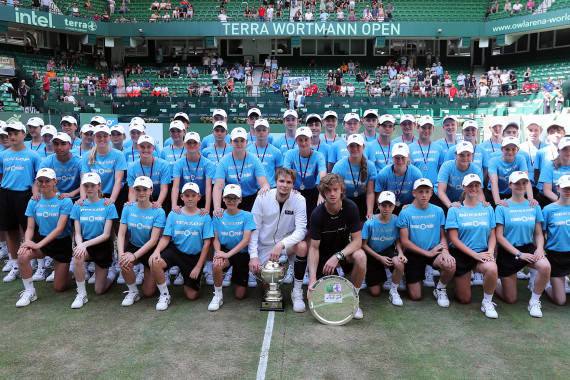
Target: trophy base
272	305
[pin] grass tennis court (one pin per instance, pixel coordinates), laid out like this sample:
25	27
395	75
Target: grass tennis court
104	340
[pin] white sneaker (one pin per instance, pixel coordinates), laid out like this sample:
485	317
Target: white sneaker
91	279
120	279
566	285
217	301
478	279
488	308
91	267
40	274
14	274
209	278
358	314
298	302
51	277
306	279
387	284
428	281
251	281
179	280
163	302
131	298
80	300
174	271
7	267
139	276
395	298
228	278
48	263
113	273
363	286
289	277
402	285
26	297
521	275
3	254
441	297
535	308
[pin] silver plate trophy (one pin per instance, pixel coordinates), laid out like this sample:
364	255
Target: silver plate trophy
272	273
334	300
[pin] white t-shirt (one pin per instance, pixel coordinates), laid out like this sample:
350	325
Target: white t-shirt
222	17
164	89
156	89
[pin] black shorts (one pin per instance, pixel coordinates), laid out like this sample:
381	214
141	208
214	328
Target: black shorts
311	197
246	202
506	262
142	259
346	266
13	205
240	262
559	263
463	262
102	254
60	250
375	272
416	266
361	204
175	258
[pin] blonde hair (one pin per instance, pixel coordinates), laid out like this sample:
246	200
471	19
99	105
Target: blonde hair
92	155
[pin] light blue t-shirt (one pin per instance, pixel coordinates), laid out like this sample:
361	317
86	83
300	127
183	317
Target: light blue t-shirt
171	155
197	172
141	222
491	147
241	172
323	149
19	169
526	157
209	141
557	227
92	217
68	173
545	155
46	213
368	140
132	154
518	221
307	168
382	154
473	225
77	151
423	225
428	159
551	175
230	228
480	157
339	150
159	172
271	158
351	175
445	145
215	155
35	148
448	173
106	166
187	232
401	186
330	142
252	139
43	153
380	236
285	144
399	140
504	169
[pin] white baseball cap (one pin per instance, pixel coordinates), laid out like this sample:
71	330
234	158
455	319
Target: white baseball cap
144	182
238	132
252	111
400	149
69	119
17	126
355	138
564	181
384	118
137	127
118	128
426	119
464	146
511	123
35	122
261	122
46	173
563	143
290	112
102	128
387	196
3	132
147	139
91	178
191	136
407	118
510	140
452	117
220	112
351	115
330	113
2	124
422	182
517	176
138	120
49	129
191	186
87	128
495	121
370	112
182	115
177	124
313	116
470	124
469	178
303	131
62	136
233	190
220	124
98	119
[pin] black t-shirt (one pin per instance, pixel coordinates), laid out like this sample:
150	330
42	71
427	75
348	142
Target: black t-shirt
338	79
333	231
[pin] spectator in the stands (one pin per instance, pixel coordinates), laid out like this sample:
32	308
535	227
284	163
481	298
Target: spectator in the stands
508	6
222	16
389	11
247	13
339	14
112	6
105	17
530	5
175	13
495	7
164	90
549	86
308	15
155	5
558	83
75	10
323	16
123	9
88	6
46	4
517	7
352	16
166	17
559	102
36	4
155	16
261	13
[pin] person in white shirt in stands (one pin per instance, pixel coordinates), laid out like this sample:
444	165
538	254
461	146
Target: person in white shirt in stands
483	90
269	13
343	89
164	90
70	98
309	15
350	90
517	7
222	16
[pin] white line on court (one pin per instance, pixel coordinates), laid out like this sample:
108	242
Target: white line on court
264	355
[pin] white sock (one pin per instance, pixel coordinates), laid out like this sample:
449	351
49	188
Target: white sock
14	263
534	297
81	286
298	284
394	287
218	290
133	287
441	285
162	288
41	263
487	297
29	284
388	274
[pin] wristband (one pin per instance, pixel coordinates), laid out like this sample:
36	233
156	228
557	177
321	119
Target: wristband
518	255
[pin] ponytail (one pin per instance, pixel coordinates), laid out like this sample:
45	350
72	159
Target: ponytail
557	162
462	197
363	169
92	155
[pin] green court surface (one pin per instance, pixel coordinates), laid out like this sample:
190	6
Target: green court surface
104	340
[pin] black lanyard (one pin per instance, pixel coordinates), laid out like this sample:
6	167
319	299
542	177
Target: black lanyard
382	149
238	175
151	168
174	154
357	182
195	169
303	175
223	153
257	151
